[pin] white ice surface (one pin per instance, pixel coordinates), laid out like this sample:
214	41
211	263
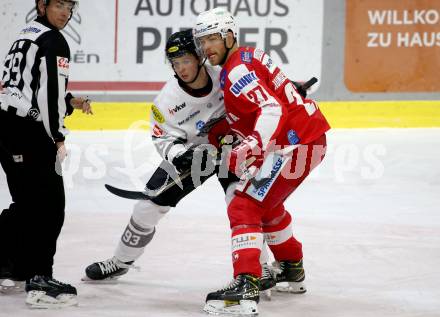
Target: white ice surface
369	220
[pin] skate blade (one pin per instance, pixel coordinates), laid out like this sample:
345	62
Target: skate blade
291	287
8	286
108	280
39	300
242	308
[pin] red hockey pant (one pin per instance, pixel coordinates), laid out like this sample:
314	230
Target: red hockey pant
253	220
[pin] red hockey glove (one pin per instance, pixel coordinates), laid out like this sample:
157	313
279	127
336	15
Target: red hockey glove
247	153
218	132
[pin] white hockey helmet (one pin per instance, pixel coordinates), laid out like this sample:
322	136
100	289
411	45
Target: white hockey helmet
216	20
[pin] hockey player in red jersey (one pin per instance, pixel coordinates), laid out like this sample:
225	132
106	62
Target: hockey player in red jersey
282	139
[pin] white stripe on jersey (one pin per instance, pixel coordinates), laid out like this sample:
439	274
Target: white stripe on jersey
27	76
63	73
43	98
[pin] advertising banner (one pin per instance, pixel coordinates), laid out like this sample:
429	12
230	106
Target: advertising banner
392	45
118	45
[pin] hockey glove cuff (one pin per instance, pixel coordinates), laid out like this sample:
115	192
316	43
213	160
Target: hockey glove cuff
247	153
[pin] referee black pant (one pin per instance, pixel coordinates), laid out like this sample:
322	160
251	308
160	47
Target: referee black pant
30	226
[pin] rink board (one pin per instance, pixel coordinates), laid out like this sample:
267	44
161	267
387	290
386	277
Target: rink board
341	114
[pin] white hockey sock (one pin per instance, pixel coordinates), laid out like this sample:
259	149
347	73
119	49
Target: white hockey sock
133	242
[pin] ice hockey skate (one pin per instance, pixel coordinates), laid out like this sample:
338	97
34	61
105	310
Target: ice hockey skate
239	298
267	281
46	292
107	271
289	277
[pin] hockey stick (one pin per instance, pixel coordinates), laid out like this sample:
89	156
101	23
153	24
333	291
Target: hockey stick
143	195
309	83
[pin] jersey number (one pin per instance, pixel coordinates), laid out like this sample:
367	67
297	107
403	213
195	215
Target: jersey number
12	74
294	97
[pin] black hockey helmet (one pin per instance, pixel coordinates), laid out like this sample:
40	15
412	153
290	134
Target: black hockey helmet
179	44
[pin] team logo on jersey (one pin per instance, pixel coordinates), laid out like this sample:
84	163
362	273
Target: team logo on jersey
63	66
240	84
292	137
157	115
30	29
33	113
187	119
200	124
157	131
246	57
176	109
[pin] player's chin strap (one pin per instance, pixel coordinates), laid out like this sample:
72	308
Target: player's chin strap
198	72
222	62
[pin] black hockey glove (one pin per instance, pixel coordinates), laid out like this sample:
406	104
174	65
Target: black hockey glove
183	162
199	157
300	89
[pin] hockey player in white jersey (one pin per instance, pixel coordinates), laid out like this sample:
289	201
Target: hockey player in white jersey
185	104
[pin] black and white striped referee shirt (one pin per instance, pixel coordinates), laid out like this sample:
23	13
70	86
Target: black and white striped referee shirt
35	75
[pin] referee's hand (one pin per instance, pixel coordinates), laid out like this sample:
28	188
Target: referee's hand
81	103
61	151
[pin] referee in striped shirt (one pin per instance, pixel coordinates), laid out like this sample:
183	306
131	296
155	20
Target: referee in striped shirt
33	104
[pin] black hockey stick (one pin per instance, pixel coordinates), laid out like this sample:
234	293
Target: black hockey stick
144	195
309	83
129	194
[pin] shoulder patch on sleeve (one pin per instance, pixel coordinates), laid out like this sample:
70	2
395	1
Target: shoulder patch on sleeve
246	57
157	115
258	54
157	131
268	62
63	66
223	78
